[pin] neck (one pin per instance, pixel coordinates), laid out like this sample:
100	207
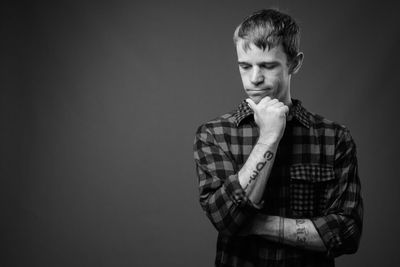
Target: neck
287	100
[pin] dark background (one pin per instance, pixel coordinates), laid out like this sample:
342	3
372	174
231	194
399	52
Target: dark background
99	105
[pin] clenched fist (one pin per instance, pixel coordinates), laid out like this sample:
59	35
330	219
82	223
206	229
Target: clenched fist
270	116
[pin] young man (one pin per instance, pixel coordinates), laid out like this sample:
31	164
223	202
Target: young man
279	183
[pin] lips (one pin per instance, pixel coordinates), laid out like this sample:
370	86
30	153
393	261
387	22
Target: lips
258	91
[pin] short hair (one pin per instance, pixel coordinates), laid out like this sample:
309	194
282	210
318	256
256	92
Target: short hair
268	28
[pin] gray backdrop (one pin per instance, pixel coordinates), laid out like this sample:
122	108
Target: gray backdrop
100	101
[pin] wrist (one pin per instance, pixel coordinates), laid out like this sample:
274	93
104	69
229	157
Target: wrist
269	141
273	228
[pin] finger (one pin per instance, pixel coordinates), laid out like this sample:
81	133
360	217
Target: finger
286	110
273	102
278	104
265	100
251	103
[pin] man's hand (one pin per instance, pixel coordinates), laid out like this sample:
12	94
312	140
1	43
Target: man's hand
270	116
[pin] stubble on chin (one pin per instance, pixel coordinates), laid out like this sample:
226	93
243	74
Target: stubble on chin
259	98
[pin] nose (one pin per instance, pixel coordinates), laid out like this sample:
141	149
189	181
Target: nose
256	76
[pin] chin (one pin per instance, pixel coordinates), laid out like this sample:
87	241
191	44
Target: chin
257	99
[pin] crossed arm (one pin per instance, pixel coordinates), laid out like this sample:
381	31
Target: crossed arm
300	233
253	177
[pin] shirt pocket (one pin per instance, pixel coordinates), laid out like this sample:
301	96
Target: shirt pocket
311	186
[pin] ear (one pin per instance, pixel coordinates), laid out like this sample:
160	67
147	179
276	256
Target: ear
296	63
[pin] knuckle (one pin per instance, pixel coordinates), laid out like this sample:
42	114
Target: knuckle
266	99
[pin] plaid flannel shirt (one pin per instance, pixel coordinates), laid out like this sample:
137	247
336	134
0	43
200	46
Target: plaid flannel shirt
314	176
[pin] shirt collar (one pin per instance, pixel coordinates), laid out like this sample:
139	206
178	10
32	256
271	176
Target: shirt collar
297	111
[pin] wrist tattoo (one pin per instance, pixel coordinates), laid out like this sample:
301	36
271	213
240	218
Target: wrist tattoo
301	232
267	157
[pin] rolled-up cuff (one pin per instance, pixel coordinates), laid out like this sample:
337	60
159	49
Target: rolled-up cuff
324	226
238	196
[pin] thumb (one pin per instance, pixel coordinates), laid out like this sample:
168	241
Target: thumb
251	103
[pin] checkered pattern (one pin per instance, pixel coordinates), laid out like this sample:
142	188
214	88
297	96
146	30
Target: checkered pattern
314	176
310	187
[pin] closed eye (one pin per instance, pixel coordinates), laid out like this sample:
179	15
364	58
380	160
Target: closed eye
244	66
268	66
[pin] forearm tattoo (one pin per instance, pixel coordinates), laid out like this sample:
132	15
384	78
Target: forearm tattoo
301	232
266	157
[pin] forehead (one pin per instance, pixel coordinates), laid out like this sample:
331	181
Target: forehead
255	54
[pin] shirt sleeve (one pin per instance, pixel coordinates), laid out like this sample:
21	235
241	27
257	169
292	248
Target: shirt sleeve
341	226
221	195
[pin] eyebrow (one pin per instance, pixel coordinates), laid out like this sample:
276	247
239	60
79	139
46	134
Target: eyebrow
259	63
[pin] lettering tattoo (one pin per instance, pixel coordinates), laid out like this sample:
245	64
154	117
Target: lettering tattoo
301	232
267	157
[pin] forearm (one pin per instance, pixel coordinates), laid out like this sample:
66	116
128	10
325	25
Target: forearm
222	196
300	233
255	172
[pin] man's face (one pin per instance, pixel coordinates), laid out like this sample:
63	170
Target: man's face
264	72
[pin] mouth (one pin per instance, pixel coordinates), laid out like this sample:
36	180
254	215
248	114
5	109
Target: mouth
254	90
259	91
